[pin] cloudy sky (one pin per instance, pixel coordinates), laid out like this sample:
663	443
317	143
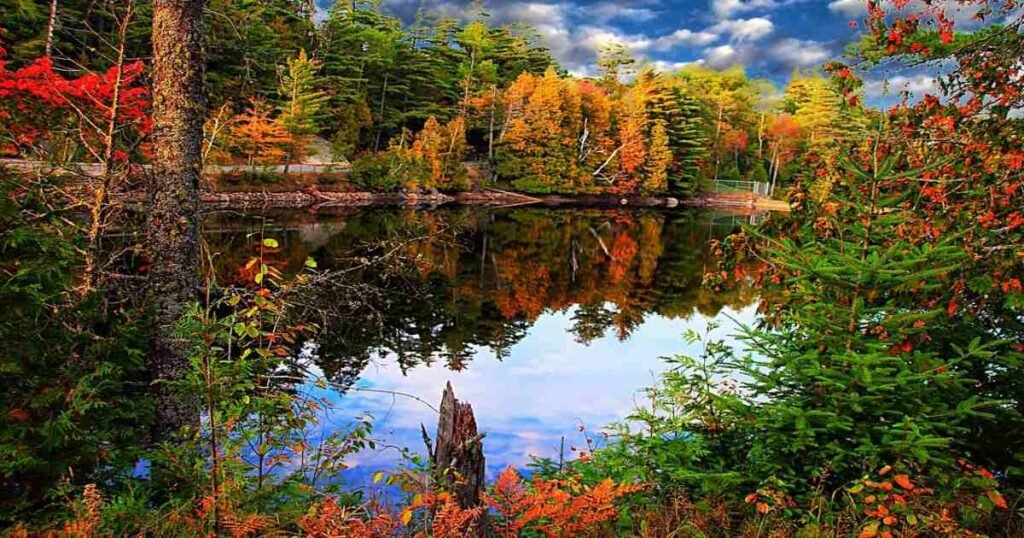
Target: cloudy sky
770	38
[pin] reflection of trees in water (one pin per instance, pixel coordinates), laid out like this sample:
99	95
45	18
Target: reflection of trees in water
439	285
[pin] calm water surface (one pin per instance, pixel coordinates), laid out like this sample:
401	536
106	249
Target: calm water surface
543	319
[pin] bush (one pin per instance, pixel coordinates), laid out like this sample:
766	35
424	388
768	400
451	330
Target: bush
373	172
72	383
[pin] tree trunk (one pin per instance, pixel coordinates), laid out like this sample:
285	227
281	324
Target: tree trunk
458	450
380	113
101	195
760	137
179	105
49	28
718	137
490	129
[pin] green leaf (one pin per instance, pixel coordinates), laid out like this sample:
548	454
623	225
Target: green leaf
310	262
270	243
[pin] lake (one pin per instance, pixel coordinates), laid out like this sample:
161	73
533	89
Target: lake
547	321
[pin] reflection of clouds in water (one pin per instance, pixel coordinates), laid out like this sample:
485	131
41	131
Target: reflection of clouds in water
526	404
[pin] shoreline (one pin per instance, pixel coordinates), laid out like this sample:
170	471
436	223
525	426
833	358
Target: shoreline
314	200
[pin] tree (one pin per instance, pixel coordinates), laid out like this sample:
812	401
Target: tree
541	133
659	160
247	41
258	136
783	136
179	100
815	106
444	147
301	103
615	64
689	142
632	146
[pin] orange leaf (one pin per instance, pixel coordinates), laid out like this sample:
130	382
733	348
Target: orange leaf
996	498
903	481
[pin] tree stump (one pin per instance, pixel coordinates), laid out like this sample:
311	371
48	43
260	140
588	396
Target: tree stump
459	451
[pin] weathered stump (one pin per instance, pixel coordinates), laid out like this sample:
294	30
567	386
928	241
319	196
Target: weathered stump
458	450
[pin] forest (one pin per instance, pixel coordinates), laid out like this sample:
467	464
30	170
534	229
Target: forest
408	105
171	368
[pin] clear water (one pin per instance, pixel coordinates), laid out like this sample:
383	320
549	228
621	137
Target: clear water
545	320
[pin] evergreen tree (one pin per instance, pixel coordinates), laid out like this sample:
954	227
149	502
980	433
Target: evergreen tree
689	142
302	103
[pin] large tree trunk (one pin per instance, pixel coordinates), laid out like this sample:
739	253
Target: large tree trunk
179	105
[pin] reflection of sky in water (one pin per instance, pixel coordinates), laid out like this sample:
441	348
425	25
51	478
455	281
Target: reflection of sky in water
526	404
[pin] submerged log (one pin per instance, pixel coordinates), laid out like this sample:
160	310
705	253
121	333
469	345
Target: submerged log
458	450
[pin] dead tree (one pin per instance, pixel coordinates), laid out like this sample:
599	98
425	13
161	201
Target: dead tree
459	451
179	107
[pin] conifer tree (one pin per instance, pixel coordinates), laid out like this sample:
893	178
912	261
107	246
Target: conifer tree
689	143
301	103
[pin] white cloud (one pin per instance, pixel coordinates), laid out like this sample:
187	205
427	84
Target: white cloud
684	36
608	11
595	38
782	54
672	67
799	54
916	84
744	29
725	9
721	57
850	8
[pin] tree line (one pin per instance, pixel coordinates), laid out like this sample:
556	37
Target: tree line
409	103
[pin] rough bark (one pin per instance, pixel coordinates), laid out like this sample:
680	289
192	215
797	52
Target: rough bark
458	450
179	104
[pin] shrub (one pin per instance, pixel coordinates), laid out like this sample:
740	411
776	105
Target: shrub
373	172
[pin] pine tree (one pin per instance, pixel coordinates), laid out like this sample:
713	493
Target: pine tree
301	103
690	144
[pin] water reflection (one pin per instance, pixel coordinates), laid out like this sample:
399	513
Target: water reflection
543	319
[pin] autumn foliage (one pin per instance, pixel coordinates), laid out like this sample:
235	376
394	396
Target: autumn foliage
548	508
41	108
566	135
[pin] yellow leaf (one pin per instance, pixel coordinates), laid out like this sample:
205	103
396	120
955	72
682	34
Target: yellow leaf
406	517
871	531
378	476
